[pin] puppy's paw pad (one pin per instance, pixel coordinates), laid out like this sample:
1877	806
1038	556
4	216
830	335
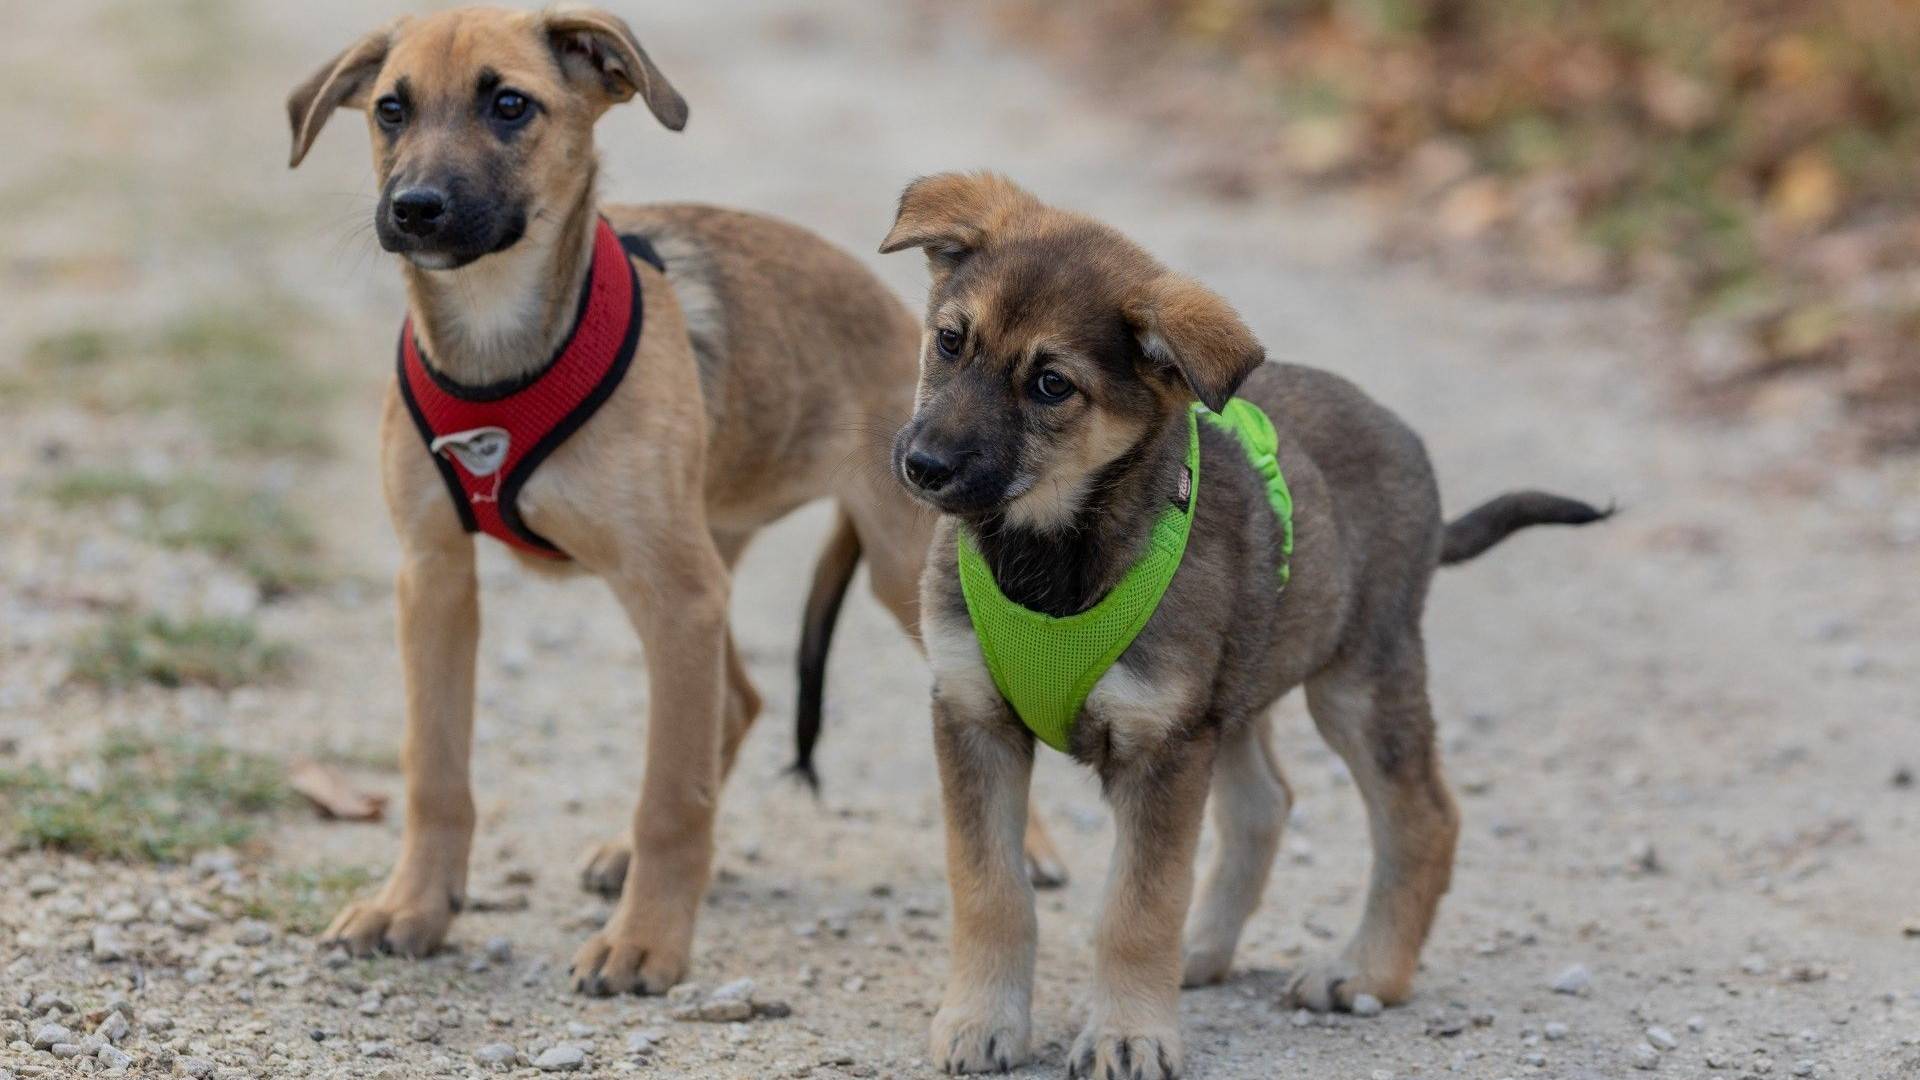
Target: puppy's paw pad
606	869
1112	1054
978	1044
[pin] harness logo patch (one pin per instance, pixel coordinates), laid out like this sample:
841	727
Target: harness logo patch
1183	493
480	451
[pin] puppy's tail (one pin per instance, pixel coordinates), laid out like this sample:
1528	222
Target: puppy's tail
831	576
1473	532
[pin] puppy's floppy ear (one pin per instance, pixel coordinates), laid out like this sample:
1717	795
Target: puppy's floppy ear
1185	327
951	215
341	82
599	53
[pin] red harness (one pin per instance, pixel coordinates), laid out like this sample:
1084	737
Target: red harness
487	440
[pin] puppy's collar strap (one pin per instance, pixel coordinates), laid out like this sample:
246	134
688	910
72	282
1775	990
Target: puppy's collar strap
487	440
1045	667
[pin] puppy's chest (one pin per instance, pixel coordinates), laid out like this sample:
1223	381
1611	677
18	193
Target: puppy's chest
1127	710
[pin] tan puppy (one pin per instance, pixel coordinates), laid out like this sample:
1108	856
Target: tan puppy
769	364
1060	366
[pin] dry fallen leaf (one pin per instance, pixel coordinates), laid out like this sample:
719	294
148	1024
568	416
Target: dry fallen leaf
331	793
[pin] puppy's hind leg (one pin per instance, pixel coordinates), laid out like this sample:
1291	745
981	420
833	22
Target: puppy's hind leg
1374	713
1250	805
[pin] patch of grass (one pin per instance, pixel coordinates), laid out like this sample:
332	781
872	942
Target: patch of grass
216	652
232	366
156	800
305	901
244	382
255	531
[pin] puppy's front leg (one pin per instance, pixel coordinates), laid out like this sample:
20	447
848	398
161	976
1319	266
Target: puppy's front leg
986	767
439	633
1133	1025
678	603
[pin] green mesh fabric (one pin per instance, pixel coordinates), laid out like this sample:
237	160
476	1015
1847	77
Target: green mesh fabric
1045	666
1250	424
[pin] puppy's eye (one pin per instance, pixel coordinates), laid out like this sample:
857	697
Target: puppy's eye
949	341
510	106
390	112
1051	387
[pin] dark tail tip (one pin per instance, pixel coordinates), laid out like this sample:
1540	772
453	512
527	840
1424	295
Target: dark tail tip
1473	532
803	771
830	579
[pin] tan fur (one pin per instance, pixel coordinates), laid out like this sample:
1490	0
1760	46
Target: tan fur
771	369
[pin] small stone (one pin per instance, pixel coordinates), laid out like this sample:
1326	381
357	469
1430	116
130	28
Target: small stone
1645	1057
1662	1039
157	1022
562	1058
578	1030
370	1003
772	1010
42	885
1554	1031
643	1042
1716	1060
499	950
252	932
113	1057
1754	964
66	1050
1534	1058
1367	1005
729	1003
123	913
114	1027
1574	980
217	861
1803	1068
423	1029
197	1067
495	1054
1446	1025
192	919
1696	1024
1642	858
1302	1018
48	1034
110	943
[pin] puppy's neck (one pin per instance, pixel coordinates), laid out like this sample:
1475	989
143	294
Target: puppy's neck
1064	571
502	317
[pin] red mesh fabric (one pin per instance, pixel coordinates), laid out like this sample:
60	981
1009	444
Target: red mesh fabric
536	416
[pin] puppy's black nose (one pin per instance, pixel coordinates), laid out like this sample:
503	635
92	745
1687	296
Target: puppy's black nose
926	471
419	211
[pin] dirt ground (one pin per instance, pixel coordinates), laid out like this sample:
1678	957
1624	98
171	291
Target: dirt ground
1683	743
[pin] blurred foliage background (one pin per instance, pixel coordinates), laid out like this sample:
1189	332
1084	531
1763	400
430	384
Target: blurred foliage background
1751	162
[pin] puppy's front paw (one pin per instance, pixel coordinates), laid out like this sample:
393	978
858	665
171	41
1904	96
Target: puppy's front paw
606	869
408	917
1330	985
1110	1052
980	1041
632	954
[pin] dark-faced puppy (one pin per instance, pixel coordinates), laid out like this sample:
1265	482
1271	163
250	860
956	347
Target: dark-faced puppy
1052	428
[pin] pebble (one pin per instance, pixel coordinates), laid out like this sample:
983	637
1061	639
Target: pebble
1716	1060
123	913
1754	964
729	1003
1696	1024
1645	1057
192	919
499	950
197	1067
1803	1068
1446	1025
376	1049
48	1034
253	932
65	1050
1662	1039
42	885
578	1030
644	1042
114	1029
565	1057
114	1058
1367	1005
1554	1031
110	943
423	1029
1574	980
495	1054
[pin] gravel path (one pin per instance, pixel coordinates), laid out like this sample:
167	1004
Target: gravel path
1679	740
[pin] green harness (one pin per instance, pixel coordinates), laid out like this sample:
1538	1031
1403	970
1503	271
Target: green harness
1045	666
